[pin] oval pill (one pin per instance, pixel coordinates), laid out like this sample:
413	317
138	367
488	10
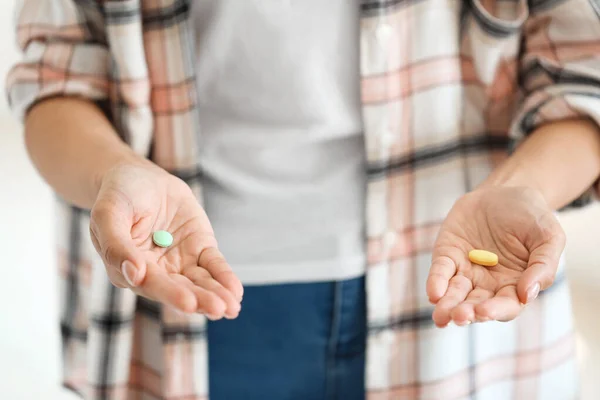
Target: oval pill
483	257
162	238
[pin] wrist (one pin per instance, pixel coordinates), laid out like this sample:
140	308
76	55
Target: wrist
514	174
111	163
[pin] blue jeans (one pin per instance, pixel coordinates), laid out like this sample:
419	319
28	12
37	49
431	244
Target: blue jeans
293	341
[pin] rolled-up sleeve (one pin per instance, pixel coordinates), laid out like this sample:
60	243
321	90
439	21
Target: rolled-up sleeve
559	68
64	53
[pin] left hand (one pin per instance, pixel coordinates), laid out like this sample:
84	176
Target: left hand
517	225
191	275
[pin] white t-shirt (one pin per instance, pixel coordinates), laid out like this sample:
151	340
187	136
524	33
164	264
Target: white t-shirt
281	136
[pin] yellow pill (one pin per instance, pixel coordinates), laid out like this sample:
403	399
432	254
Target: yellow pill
483	257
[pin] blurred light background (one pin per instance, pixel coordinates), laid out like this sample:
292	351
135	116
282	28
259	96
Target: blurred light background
29	334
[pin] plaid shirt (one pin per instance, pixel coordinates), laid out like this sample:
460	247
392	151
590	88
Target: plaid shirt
445	85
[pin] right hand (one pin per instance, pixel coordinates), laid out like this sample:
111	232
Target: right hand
515	223
190	275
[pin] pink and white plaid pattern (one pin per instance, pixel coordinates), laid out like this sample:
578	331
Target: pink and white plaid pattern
446	86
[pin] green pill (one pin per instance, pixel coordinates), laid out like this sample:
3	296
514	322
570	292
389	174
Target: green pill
162	238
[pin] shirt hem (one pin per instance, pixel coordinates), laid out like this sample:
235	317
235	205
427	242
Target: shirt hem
305	272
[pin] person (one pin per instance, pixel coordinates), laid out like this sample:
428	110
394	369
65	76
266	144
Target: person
339	149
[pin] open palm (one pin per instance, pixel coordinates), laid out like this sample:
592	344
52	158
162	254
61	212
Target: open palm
191	274
514	223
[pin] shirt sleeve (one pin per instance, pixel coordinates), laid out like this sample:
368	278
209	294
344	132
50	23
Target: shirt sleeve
559	68
64	53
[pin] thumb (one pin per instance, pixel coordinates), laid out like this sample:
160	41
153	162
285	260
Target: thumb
543	263
110	229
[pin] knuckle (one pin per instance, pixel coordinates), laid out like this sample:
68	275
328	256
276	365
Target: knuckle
109	254
214	261
560	235
442	261
549	232
456	284
435	277
196	274
483	310
179	297
182	300
550	228
445	303
227	278
208	242
100	211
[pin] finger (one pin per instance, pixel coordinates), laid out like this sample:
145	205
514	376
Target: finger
115	277
504	306
213	261
458	289
207	302
160	286
464	313
111	228
543	264
200	277
118	280
442	270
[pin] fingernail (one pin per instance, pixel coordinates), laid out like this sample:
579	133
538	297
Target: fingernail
464	323
533	292
212	317
129	272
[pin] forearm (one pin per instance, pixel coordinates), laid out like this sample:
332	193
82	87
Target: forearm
72	145
561	160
